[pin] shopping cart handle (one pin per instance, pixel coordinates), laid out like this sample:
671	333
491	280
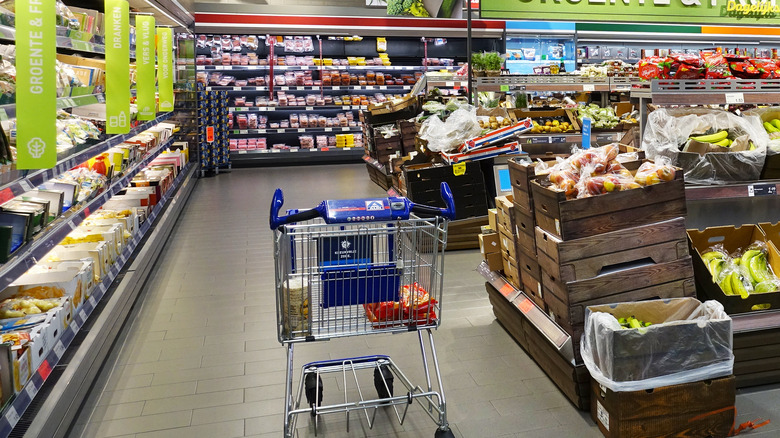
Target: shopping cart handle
446	196
362	210
305	215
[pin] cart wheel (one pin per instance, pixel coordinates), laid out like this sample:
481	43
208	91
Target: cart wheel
444	433
313	386
379	383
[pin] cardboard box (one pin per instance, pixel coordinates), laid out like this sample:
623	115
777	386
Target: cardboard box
489	243
97	251
70	282
493	219
697	409
504	206
684	337
508	244
732	238
495	261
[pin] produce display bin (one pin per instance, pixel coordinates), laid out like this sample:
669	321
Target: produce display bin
466	181
687	341
732	238
577	218
698	409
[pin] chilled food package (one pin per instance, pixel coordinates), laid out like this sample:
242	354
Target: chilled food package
306	141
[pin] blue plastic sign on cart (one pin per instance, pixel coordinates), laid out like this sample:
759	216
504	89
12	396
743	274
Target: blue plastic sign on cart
586	133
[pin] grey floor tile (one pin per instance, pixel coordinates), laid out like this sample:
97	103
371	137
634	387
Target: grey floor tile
221	429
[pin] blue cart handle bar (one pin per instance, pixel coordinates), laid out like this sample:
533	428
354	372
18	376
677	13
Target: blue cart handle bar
362	210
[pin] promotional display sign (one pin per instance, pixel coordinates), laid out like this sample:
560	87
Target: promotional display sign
586	133
144	52
165	68
36	86
745	12
422	8
117	67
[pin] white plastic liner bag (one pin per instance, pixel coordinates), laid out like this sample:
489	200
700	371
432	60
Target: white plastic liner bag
668	130
688	341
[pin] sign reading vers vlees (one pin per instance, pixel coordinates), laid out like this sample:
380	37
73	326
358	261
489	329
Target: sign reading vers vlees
745	12
117	66
144	52
36	87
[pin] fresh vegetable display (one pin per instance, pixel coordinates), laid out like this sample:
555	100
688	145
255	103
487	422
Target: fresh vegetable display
602	118
597	171
551	124
742	273
722	138
633	323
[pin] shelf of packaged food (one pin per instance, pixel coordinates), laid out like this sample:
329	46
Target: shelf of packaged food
296	108
554	333
43	242
325	67
603	60
8	111
294	130
16	182
733	190
295	155
313	88
561	83
67	39
76	369
715	91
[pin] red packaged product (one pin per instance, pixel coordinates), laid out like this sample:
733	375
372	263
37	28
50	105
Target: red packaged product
685	71
767	68
655	67
716	67
744	69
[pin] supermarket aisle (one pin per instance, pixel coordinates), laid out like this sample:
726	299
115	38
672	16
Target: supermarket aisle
201	358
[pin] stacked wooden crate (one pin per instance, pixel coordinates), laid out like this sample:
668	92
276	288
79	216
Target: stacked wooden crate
521	174
505	225
618	247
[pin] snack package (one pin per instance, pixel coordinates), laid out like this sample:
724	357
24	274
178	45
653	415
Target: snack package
655	67
716	66
743	68
767	68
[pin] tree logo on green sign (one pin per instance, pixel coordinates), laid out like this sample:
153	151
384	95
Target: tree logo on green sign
36	147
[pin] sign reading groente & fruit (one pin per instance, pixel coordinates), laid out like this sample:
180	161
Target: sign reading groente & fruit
744	12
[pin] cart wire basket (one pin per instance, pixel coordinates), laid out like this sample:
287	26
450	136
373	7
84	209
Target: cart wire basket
360	267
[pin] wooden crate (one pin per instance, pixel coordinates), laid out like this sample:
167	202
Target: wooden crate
757	357
698	409
567	300
524	223
468	188
573	381
378	177
533	288
578	218
463	233
588	257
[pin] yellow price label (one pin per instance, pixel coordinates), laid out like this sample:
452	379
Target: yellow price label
459	169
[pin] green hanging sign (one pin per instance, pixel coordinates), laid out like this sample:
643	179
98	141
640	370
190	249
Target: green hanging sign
165	68
144	57
117	66
36	84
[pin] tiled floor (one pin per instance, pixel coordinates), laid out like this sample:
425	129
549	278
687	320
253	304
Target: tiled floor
201	359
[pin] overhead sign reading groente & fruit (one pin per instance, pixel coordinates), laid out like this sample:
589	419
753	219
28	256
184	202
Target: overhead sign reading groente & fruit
745	12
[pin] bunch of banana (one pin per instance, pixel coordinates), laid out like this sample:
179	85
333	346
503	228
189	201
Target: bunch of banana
743	275
720	138
772	128
632	323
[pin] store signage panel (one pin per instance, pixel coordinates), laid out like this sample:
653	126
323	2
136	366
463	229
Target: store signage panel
165	67
745	12
117	67
36	84
145	81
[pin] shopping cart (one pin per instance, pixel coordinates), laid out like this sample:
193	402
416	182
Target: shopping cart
359	267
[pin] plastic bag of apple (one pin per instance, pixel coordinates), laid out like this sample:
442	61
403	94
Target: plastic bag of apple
597	171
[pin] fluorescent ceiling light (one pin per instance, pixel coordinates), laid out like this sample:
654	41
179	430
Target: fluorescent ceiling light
166	14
